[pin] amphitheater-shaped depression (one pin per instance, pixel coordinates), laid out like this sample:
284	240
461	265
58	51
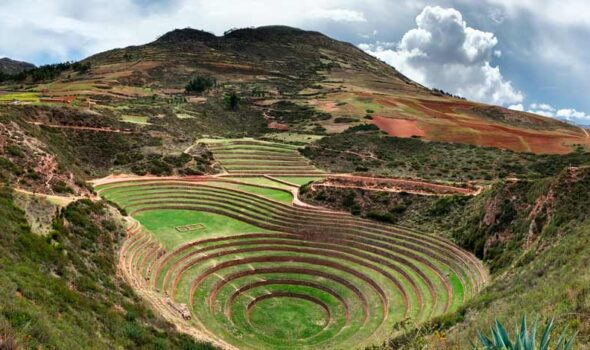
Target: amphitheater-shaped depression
252	270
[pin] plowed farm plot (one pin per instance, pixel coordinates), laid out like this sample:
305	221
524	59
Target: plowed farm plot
264	273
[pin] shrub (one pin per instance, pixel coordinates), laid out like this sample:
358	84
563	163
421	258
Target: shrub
524	339
61	187
344	120
15	151
232	100
382	216
200	84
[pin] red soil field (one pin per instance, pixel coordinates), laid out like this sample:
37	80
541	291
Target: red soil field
484	133
398	127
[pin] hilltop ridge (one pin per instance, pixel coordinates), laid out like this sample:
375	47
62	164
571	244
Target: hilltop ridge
9	66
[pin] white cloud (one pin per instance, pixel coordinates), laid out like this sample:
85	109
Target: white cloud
568	114
573	115
563	12
517	107
541	112
443	52
542	107
339	15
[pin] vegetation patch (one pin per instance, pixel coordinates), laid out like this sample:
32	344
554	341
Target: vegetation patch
48	300
363	149
329	278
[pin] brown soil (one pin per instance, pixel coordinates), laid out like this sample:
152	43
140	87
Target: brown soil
398	127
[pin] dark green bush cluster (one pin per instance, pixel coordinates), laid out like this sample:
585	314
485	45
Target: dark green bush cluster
344	120
156	164
200	84
61	187
290	113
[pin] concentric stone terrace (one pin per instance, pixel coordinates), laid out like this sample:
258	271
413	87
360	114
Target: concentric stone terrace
249	156
267	274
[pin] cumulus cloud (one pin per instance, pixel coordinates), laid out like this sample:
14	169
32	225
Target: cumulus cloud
517	107
572	114
568	114
443	52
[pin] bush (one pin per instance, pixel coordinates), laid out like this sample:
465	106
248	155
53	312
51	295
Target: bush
61	187
344	120
232	100
200	84
382	216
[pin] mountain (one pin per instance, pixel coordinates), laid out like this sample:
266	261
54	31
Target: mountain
312	70
282	69
8	66
274	187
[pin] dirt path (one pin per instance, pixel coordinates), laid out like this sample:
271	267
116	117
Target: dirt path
396	185
586	132
89	128
57	200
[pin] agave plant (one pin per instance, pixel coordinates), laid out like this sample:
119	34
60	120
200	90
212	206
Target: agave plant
525	339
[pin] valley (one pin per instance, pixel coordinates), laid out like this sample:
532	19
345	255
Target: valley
273	188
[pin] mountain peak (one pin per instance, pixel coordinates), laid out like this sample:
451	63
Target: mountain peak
186	34
271	32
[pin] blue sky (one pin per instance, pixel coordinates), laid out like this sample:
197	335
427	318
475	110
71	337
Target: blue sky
527	54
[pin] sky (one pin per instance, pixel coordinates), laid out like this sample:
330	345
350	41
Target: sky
531	55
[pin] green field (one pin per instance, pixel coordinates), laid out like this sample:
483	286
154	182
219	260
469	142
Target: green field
19	96
255	157
135	119
257	272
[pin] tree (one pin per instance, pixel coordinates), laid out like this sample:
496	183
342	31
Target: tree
232	100
200	84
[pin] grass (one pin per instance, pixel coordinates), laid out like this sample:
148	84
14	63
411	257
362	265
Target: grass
288	319
20	96
292	137
48	299
255	187
135	119
246	231
163	223
259	157
263	181
299	180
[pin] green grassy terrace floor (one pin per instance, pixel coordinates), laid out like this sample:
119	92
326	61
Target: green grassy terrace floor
233	249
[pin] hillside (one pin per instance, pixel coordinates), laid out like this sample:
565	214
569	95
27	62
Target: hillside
303	82
312	70
8	66
273	188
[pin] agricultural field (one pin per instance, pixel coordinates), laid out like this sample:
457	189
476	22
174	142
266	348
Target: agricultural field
437	118
29	97
135	119
254	157
244	265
